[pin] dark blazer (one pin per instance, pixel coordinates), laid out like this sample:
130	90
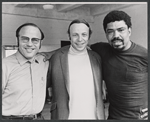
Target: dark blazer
59	78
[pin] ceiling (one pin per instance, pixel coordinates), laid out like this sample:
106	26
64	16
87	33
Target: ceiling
58	7
82	9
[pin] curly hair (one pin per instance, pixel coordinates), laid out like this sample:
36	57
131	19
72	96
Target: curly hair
117	15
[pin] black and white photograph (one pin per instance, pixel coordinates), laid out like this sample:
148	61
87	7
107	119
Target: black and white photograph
74	61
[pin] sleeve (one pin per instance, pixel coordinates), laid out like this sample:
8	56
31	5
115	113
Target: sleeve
48	76
101	48
97	47
94	46
50	73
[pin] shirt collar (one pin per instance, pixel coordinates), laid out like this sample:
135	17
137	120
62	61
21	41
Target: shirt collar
74	52
22	60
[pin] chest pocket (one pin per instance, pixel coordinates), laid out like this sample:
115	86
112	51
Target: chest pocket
136	76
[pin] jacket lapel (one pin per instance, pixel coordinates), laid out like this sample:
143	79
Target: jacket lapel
64	65
97	76
95	69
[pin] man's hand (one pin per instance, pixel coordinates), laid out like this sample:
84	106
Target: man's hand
144	114
47	55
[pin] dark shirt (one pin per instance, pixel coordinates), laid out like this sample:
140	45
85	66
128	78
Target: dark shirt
126	77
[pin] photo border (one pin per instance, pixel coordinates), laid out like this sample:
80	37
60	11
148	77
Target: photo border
91	2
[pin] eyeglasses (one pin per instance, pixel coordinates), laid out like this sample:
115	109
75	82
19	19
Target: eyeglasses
25	39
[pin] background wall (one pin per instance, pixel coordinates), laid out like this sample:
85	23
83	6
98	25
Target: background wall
55	24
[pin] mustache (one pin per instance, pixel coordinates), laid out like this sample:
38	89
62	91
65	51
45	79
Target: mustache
116	38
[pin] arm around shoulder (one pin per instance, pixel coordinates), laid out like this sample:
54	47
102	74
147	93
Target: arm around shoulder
47	55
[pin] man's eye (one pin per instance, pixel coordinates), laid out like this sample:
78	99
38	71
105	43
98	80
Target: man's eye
35	40
25	38
109	31
84	35
74	35
121	30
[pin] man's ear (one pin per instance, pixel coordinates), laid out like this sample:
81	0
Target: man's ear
129	31
41	44
17	41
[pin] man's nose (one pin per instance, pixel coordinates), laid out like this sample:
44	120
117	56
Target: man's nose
79	38
29	43
116	34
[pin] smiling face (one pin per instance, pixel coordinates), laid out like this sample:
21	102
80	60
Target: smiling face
118	35
79	34
29	49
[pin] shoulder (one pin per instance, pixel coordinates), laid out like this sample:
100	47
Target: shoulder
41	59
65	48
39	56
94	54
141	50
61	51
9	62
102	48
139	53
10	59
99	44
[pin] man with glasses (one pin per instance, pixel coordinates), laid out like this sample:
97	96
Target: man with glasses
24	76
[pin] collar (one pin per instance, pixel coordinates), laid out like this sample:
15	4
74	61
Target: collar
72	51
22	60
